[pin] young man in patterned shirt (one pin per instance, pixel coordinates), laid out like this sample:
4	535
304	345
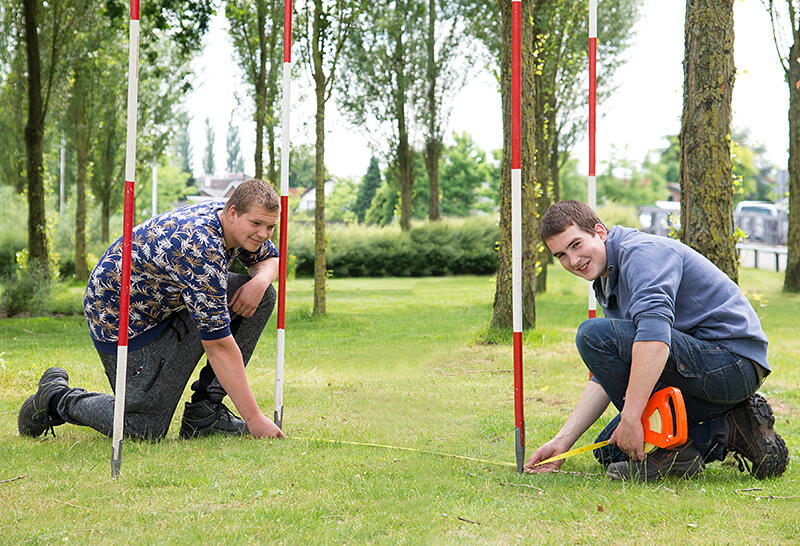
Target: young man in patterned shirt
183	302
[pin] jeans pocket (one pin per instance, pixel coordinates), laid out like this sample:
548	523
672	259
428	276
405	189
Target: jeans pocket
729	379
146	374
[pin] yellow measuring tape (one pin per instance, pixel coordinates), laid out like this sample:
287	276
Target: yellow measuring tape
401	448
577	451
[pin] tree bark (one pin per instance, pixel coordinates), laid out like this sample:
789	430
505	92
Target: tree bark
433	146
82	157
320	268
705	171
502	313
791	280
260	89
531	187
404	163
34	134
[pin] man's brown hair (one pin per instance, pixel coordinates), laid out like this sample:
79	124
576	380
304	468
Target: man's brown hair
563	214
253	192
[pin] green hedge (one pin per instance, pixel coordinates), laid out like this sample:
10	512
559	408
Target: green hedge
449	247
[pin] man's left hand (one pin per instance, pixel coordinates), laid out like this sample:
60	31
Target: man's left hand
629	437
246	299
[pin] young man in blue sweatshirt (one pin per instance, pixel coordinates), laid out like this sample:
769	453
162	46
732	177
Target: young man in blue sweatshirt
672	318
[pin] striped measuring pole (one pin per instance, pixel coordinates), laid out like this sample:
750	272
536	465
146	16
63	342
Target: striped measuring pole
516	223
281	339
127	230
592	181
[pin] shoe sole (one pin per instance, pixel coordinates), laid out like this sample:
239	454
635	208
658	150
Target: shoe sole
25	429
191	433
776	455
621	471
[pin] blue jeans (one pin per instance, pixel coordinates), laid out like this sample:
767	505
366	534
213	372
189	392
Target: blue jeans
711	380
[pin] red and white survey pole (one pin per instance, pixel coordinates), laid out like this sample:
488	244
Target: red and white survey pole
516	223
592	182
280	343
127	230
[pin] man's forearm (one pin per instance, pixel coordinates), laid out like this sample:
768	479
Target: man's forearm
647	364
226	361
591	405
266	270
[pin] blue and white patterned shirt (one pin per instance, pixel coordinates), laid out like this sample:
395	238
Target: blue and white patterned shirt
178	260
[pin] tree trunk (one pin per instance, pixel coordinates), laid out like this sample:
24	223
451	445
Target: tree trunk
544	85
271	94
105	217
82	156
502	313
34	134
433	146
791	281
531	187
272	172
405	173
320	268
260	89
705	171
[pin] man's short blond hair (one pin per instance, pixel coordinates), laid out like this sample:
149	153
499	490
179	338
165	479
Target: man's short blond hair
253	192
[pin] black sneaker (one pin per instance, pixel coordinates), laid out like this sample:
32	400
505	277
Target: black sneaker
750	434
34	417
205	417
682	462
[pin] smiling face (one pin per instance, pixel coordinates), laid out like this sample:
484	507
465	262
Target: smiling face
581	253
248	230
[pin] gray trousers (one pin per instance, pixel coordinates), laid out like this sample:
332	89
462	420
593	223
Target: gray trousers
159	371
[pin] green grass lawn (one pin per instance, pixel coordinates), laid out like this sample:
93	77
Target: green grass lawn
395	362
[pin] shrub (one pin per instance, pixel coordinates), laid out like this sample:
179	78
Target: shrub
450	247
27	290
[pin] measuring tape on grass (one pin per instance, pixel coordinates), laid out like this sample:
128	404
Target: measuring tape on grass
661	428
401	448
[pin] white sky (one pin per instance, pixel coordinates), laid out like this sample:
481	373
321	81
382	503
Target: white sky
646	107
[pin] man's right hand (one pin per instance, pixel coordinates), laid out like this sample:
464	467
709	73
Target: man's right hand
550	449
263	427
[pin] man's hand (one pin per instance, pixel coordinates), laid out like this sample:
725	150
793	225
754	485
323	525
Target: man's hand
550	449
246	299
262	427
629	437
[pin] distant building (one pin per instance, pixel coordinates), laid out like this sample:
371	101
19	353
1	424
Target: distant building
212	187
308	200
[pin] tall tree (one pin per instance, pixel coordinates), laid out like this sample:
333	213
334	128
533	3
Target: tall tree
446	43
12	97
168	43
786	30
328	24
382	82
464	171
502	314
79	90
235	162
706	174
490	22
561	49
208	157
41	82
255	27
183	145
366	190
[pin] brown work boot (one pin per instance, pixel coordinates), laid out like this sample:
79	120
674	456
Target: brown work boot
750	434
682	462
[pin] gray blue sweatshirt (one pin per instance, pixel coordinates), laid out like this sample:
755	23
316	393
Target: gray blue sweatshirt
660	283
